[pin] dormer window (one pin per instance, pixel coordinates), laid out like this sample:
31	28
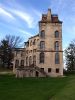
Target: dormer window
42	34
56	34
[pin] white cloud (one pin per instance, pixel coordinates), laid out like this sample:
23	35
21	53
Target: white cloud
6	14
25	32
24	16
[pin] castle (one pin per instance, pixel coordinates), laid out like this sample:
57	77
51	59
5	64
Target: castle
42	55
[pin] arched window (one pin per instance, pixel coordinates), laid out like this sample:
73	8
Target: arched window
42	45
26	61
34	42
22	62
16	63
57	61
31	43
34	60
56	46
42	57
30	60
56	34
42	34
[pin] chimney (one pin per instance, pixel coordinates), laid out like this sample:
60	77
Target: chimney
49	15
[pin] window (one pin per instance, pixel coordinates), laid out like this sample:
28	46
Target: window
17	52
22	62
49	70
31	43
22	53
34	50
56	34
34	42
30	60
56	46
26	61
57	58
34	60
57	70
42	57
16	63
42	69
42	34
42	45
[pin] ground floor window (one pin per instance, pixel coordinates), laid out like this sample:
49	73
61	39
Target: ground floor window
57	70
42	69
49	70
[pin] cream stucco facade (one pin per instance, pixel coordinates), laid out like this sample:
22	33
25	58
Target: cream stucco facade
42	55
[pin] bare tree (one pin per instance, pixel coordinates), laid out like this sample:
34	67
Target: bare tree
14	41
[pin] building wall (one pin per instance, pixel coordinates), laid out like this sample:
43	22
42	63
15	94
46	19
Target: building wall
49	51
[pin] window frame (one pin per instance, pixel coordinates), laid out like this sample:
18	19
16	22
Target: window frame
56	34
42	57
57	58
42	34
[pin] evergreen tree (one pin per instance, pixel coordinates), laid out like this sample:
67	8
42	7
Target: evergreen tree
70	56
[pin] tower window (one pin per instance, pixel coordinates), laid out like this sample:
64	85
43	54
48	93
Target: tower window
57	70
42	34
57	61
56	34
42	45
56	46
42	57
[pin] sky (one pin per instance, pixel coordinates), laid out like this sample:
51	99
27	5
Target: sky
20	17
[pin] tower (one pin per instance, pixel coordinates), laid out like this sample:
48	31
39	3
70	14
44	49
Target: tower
50	54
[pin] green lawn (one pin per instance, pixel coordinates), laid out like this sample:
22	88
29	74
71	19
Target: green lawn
12	88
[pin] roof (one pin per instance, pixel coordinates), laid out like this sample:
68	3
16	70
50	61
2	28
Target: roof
34	36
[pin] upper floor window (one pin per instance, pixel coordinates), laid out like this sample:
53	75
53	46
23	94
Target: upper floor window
56	34
42	45
56	46
16	63
22	62
34	60
42	34
31	43
17	52
22	53
30	60
57	60
26	61
42	57
34	42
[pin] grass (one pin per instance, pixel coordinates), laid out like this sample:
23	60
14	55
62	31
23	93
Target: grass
37	88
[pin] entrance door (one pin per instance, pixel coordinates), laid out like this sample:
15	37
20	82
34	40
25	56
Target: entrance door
37	74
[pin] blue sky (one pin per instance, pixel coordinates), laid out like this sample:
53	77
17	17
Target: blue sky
20	17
